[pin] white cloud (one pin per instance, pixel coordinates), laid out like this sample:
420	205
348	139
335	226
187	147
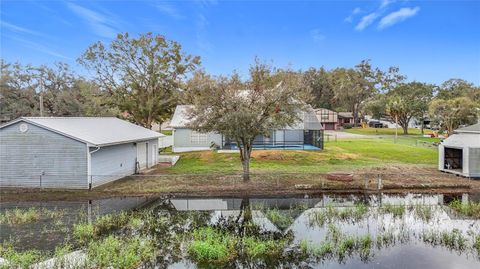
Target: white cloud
366	21
354	12
101	24
317	35
397	16
169	10
18	29
386	3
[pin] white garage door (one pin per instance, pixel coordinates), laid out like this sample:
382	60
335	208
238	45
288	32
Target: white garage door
142	154
154	153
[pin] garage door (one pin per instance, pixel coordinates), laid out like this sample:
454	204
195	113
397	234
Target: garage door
142	154
329	126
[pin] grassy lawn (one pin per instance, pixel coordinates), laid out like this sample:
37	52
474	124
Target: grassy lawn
166	132
345	155
385	131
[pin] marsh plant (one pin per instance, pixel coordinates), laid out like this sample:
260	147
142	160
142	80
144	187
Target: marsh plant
470	209
397	211
29	215
329	214
424	212
18	259
453	240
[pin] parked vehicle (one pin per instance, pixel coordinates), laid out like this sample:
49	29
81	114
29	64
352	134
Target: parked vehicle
376	124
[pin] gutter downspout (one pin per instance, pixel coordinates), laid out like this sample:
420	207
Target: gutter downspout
89	164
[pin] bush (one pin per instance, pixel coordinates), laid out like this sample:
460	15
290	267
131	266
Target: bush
347	126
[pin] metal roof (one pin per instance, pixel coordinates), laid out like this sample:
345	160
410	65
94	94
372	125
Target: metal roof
308	120
475	128
180	117
95	131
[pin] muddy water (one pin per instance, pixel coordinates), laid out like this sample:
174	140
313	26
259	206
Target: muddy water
295	217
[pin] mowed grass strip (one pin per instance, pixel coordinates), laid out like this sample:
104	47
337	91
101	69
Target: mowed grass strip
348	154
385	131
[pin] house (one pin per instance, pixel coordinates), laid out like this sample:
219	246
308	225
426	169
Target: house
460	153
328	118
305	134
73	153
345	118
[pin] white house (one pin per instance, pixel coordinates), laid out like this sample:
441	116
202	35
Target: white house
73	152
460	153
305	134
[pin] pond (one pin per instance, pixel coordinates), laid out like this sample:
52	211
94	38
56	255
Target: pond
325	231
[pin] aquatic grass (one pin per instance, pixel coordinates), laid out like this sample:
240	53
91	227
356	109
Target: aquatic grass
423	212
211	245
396	210
330	214
121	253
18	259
110	222
255	247
453	240
385	239
83	232
282	221
19	216
470	209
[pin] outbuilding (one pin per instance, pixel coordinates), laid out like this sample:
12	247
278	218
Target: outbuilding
460	153
73	152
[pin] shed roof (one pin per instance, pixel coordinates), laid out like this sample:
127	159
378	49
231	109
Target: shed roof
96	131
475	128
180	117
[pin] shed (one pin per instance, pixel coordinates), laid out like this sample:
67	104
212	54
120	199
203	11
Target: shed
460	153
73	152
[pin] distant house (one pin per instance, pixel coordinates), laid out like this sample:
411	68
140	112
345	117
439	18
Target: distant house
305	134
328	118
73	153
460	153
345	118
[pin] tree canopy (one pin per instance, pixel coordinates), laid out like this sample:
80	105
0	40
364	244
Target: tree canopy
143	75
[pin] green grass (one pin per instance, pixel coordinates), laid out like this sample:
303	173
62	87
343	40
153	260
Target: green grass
385	131
166	132
341	155
471	209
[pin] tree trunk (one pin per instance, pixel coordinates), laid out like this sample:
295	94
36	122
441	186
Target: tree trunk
246	168
405	129
422	127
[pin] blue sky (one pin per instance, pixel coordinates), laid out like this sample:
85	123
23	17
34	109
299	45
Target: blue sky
430	41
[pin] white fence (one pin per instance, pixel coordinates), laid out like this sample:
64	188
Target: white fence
165	142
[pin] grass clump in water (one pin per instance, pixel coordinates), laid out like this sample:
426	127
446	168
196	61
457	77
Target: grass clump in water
257	248
454	240
83	232
110	222
210	245
16	259
282	221
19	216
424	212
331	214
396	210
113	252
471	209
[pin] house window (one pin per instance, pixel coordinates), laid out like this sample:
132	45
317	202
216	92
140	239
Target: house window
325	116
198	138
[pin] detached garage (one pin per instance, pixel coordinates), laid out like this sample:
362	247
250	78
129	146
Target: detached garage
460	153
73	153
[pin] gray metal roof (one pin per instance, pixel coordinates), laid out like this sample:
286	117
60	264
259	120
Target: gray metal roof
95	131
475	128
309	120
345	114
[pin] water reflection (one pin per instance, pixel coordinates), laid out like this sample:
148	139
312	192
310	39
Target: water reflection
325	231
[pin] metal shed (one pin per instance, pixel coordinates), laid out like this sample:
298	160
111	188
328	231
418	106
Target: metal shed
460	153
73	152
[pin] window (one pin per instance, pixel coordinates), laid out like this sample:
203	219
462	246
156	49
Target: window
198	138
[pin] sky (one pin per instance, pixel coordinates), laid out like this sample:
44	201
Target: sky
430	41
